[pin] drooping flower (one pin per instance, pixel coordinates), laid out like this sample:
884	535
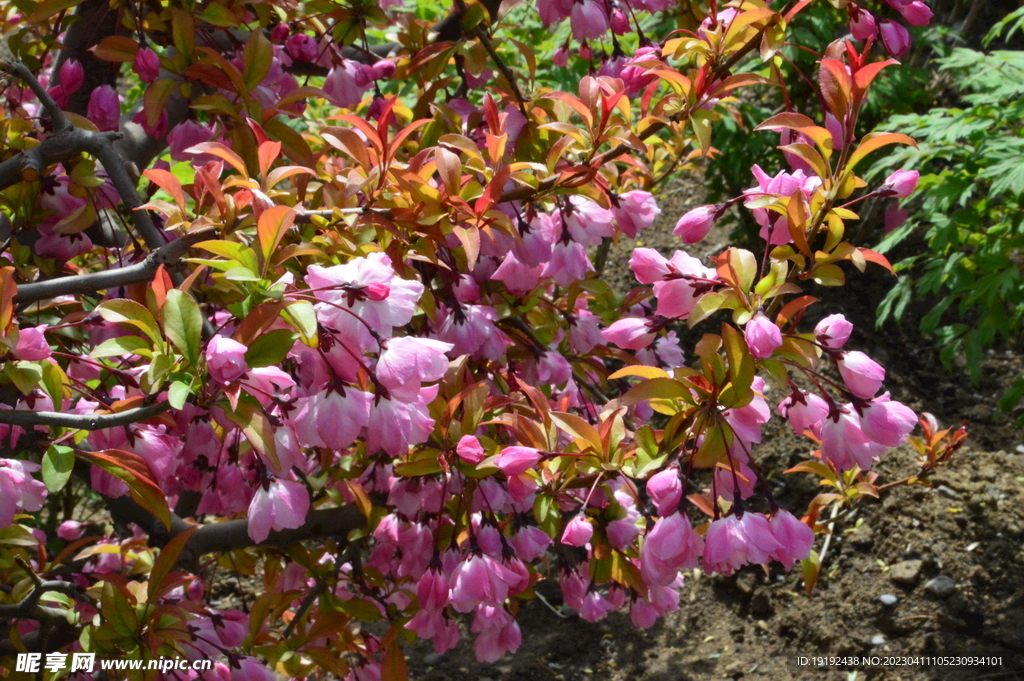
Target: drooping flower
666	490
671	546
803	410
104	108
18	489
470	450
833	331
278	505
696	224
844	444
408	362
32	345
146	65
589	20
578	531
632	333
895	37
635	212
861	374
887	422
794	537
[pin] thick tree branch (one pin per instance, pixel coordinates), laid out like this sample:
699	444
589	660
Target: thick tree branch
26	418
167	255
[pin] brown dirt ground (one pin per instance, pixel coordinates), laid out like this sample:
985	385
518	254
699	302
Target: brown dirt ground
753	626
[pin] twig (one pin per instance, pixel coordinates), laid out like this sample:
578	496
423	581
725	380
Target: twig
502	66
28	607
167	255
21	417
828	538
20	71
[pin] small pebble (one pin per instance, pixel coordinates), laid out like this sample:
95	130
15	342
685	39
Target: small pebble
878	640
906	572
888	599
431	658
944	491
942	586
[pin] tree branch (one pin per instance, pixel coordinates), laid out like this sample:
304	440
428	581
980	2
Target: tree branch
167	255
82	421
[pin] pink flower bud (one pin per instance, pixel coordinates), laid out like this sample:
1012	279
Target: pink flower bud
666	490
72	76
696	224
630	334
279	33
895	38
516	460
844	444
886	422
916	13
584	51
70	530
671	546
901	184
619	22
530	543
301	46
32	345
225	358
146	65
833	331
762	336
104	108
648	265
862	375
862	23
470	450
561	56
578	531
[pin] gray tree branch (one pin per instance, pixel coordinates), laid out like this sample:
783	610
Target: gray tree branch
26	418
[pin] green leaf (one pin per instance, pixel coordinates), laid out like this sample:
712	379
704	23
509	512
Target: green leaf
270	348
117	347
124	311
183	323
811	567
25	375
178	393
301	316
165	563
249	415
258	55
57	464
741	365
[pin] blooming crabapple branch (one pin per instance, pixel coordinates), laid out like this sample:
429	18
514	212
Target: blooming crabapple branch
81	421
167	255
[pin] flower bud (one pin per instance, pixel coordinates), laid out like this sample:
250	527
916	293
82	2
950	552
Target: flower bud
70	530
862	23
578	531
833	331
515	460
470	450
104	108
619	23
901	184
862	375
916	13
666	490
762	336
146	65
225	359
895	38
561	56
696	224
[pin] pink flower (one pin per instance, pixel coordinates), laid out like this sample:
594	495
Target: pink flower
696	224
636	211
671	546
72	77
186	135
578	531
346	84
518	277
515	460
146	65
408	362
470	450
32	345
886	422
336	418
497	633
648	265
901	184
251	669
471	329
301	46
278	505
619	22
632	333
862	23
530	543
773	226
862	375
104	108
18	489
844	444
895	38
833	331
916	13
587	223
225	358
478	580
569	263
394	425
584	332
553	11
561	56
70	530
762	336
804	410
589	20
666	490
687	283
595	607
794	537
732	542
